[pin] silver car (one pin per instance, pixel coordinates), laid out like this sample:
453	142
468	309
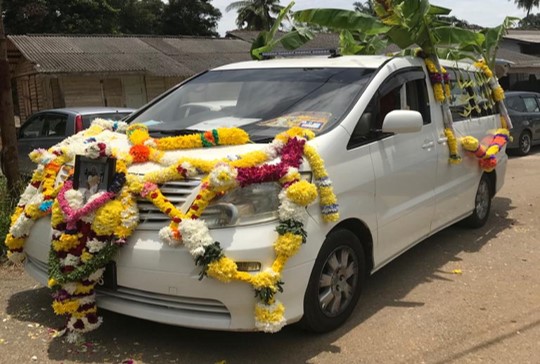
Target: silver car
524	110
49	127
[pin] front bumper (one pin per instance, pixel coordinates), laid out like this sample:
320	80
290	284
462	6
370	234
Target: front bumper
161	283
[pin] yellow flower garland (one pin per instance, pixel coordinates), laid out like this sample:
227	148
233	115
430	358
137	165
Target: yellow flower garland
114	217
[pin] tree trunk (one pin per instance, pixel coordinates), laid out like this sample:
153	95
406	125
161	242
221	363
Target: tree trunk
10	165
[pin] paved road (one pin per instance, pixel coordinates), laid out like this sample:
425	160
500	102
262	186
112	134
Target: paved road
417	309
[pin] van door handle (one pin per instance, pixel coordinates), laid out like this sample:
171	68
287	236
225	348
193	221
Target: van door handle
442	140
428	144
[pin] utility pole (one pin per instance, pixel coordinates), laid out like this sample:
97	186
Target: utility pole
10	165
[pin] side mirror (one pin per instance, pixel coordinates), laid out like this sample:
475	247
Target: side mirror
402	121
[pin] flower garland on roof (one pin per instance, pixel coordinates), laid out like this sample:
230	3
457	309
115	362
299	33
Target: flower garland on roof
87	235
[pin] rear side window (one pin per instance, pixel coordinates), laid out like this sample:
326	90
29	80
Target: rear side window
531	104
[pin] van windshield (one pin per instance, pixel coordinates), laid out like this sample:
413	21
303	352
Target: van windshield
264	102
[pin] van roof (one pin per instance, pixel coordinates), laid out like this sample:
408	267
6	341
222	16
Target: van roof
307	62
327	62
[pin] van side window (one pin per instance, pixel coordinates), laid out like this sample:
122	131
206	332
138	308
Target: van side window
471	95
404	90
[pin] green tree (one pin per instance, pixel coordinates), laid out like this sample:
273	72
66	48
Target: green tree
527	4
255	14
8	153
139	16
60	16
190	17
530	22
364	7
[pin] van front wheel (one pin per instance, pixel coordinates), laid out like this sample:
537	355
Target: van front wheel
335	283
482	204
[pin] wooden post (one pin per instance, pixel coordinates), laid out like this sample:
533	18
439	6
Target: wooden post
8	153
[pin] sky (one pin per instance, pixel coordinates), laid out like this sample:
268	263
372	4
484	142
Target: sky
487	13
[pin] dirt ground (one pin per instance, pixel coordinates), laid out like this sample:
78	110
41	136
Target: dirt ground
462	296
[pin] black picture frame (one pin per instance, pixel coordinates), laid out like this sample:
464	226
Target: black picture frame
93	175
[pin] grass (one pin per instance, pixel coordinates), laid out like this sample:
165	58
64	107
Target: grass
7	205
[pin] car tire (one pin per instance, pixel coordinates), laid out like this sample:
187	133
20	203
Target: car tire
524	143
482	204
335	283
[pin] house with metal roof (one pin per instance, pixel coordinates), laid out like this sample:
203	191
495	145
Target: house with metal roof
51	71
107	70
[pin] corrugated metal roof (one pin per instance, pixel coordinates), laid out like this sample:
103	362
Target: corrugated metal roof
528	36
158	56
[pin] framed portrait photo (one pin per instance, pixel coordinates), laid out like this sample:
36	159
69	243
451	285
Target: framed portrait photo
93	175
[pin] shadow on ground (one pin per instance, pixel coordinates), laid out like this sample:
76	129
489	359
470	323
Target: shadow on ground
122	337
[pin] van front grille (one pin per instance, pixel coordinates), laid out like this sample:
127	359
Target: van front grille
178	192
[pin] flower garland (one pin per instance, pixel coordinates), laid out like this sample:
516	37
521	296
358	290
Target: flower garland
37	199
87	235
440	81
296	194
486	151
145	148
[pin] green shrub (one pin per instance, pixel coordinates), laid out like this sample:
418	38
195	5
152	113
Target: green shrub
7	205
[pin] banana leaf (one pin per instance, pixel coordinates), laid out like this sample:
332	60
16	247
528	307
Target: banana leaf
339	19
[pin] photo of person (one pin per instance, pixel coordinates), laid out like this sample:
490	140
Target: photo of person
92	175
92	182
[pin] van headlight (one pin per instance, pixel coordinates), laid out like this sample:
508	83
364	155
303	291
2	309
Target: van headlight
249	205
253	204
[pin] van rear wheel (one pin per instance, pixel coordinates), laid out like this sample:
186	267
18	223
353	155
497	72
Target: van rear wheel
335	283
482	204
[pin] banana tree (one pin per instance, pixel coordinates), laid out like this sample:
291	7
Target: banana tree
359	33
266	42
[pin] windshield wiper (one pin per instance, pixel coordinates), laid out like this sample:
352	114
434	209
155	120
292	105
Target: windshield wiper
263	140
177	132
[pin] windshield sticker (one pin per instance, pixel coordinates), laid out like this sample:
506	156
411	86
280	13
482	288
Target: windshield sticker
309	120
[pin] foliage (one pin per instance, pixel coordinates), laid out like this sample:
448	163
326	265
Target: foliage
7	205
266	42
453	21
255	14
530	22
190	17
139	16
364	7
60	16
527	4
177	17
360	33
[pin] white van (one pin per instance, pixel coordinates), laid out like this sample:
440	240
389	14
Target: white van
381	135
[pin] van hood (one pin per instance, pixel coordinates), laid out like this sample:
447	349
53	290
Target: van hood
119	143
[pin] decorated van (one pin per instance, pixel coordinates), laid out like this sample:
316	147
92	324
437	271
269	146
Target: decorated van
262	193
